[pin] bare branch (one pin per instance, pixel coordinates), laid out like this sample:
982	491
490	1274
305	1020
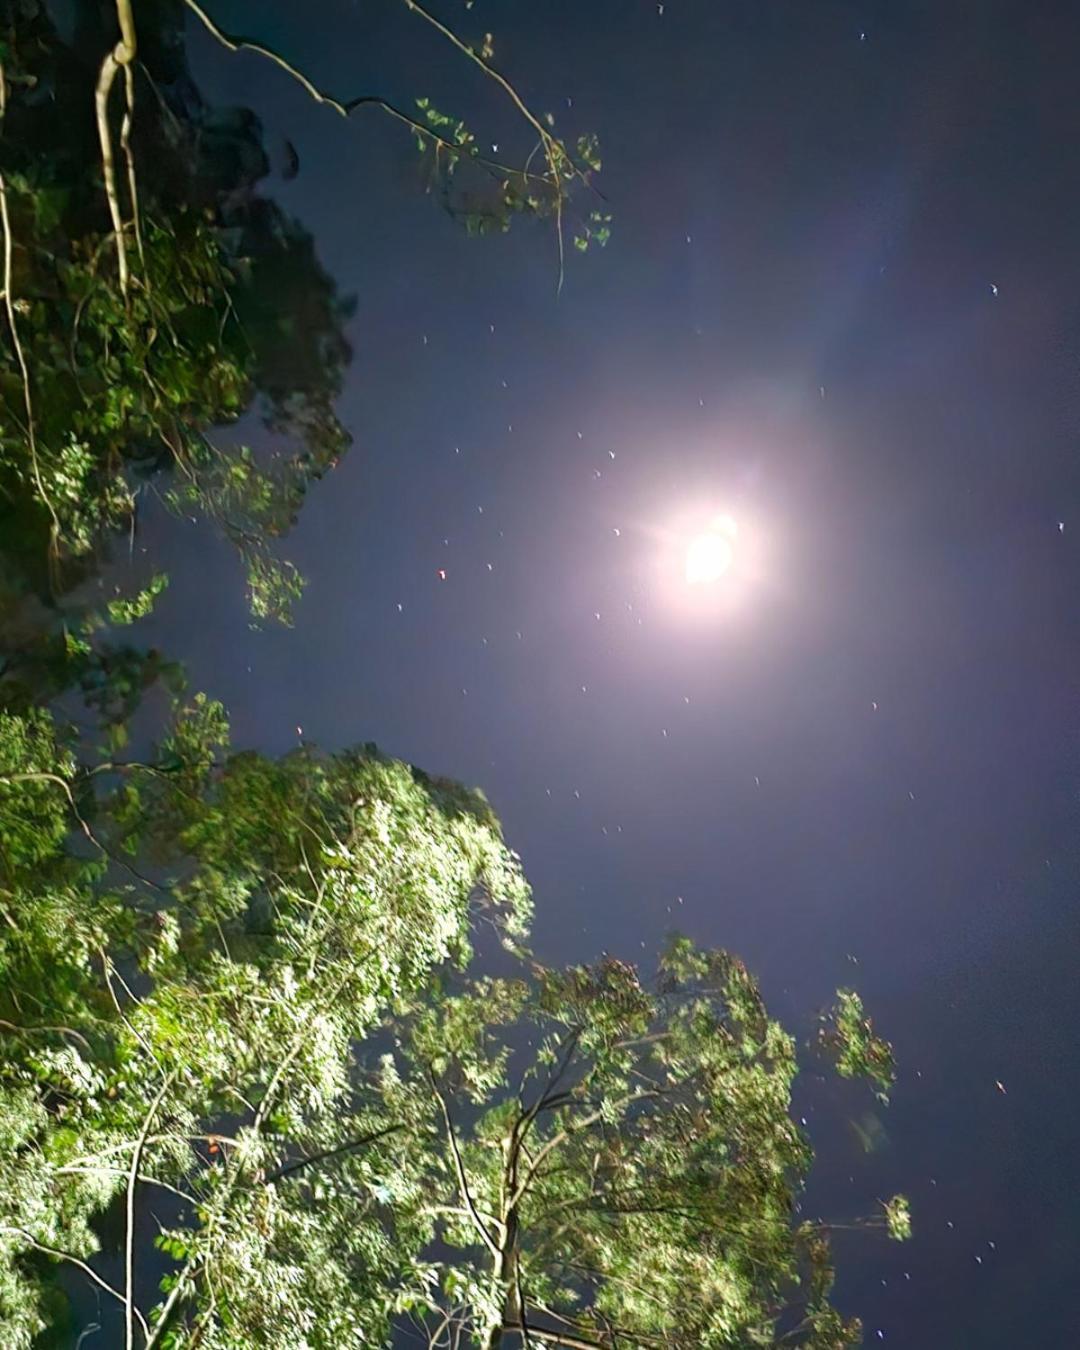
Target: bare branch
459	1168
129	1239
235	42
71	1170
119	58
133	185
106	76
290	1169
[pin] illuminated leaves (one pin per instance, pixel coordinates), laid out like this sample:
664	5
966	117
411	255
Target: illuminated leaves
596	230
636	1167
285	907
898	1217
848	1035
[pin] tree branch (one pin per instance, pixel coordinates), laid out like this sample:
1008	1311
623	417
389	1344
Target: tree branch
87	1270
121	56
69	1169
236	42
129	1237
554	153
290	1169
61	783
558	1337
459	1168
59	1030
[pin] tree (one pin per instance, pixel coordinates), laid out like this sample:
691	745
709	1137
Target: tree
264	1045
154	296
155	302
132	340
607	1165
184	1037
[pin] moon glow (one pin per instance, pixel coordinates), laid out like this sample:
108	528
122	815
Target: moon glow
710	554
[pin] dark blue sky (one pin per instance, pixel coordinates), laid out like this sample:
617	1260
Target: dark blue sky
842	301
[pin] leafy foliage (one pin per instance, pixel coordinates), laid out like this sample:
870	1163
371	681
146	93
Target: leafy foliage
848	1034
194	1029
898	1217
227	313
155	300
260	1034
609	1164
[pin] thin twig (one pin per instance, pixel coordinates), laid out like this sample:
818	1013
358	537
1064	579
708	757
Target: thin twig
129	1237
87	1270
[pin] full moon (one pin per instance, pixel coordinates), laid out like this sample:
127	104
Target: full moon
710	554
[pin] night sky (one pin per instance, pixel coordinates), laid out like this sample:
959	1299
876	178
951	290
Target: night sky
841	303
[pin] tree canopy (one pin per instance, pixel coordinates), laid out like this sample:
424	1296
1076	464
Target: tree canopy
261	1041
190	1029
611	1163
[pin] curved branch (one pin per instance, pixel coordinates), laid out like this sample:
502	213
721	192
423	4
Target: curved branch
121	56
459	1168
58	1030
43	777
236	42
87	1270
